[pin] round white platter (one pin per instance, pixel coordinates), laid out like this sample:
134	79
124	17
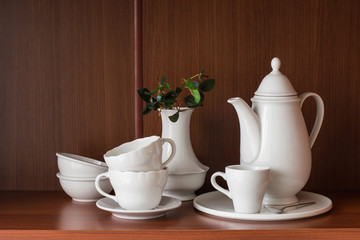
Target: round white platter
217	204
166	204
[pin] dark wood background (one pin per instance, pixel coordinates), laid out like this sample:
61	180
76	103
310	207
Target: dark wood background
67	77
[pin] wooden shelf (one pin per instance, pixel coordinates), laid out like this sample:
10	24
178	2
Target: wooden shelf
53	215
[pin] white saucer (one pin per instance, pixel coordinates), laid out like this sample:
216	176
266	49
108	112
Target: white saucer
166	204
217	204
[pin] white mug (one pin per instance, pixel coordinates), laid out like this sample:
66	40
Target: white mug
135	190
247	186
140	155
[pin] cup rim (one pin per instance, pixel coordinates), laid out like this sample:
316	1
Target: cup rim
82	160
249	168
108	154
165	169
78	179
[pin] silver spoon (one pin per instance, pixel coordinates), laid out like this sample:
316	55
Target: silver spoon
281	209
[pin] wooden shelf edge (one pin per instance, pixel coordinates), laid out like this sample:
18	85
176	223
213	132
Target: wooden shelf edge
340	233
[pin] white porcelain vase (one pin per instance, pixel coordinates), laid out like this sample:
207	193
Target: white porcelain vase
186	172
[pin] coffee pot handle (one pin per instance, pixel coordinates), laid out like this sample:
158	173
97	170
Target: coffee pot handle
217	186
319	114
173	150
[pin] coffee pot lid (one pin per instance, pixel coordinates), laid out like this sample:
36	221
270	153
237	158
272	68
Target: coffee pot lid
275	83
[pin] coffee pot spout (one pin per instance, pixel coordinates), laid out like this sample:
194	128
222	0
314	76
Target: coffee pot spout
249	130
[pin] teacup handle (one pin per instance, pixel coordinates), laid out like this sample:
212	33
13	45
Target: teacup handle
173	150
98	188
216	186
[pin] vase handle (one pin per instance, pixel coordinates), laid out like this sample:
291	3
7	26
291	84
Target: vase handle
173	149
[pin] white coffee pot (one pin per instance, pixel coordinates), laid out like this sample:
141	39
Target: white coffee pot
273	133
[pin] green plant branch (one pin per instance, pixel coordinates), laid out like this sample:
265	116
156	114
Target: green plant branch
168	98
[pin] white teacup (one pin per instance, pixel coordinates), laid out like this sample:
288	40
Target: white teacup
140	155
247	186
135	190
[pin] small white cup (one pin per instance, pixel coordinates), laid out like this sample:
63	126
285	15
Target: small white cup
135	190
247	186
140	155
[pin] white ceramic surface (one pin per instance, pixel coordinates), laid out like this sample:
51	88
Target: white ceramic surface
217	204
140	155
275	83
247	186
135	190
185	163
166	204
273	133
72	165
83	189
183	186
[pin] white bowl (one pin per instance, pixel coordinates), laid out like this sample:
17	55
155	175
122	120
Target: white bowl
71	165
83	189
183	186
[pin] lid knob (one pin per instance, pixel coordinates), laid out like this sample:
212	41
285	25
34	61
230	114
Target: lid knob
275	84
275	64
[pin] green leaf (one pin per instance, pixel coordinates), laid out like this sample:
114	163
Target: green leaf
202	97
197	96
163	80
167	86
146	111
190	102
178	91
168	100
201	74
189	84
174	117
153	105
142	93
156	89
170	93
207	85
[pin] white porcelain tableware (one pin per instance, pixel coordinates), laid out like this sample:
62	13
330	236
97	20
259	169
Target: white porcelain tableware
166	204
247	186
140	155
273	133
186	173
280	209
72	165
135	190
183	186
83	189
217	204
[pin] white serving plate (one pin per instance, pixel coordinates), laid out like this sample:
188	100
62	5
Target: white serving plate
217	204
166	204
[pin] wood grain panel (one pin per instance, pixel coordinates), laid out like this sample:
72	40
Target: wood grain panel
318	43
66	75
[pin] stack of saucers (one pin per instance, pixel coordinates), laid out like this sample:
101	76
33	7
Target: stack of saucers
77	176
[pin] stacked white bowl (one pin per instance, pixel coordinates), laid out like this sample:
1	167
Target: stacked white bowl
77	177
